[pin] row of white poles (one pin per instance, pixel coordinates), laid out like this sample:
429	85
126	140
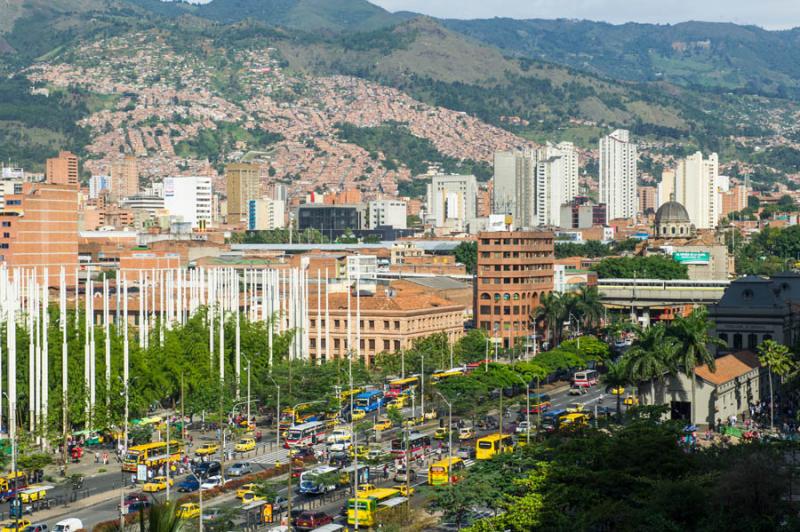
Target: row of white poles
165	298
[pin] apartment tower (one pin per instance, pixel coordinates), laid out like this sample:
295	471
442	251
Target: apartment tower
62	170
242	185
618	159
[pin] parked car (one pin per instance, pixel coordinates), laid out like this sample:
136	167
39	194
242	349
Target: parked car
466	433
37	527
211	482
70	524
189	510
309	520
240	469
135	502
400	475
466	452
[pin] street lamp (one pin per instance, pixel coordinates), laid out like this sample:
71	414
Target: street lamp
278	413
527	406
449	435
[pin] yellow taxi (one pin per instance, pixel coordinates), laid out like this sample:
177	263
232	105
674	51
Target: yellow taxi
466	433
364	489
157	484
401	401
619	390
251	496
244	488
358	415
413	421
631	400
440	434
405	491
16	526
244	445
188	510
431	414
207	449
362	451
382	424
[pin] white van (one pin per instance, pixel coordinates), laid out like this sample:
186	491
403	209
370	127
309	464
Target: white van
70	524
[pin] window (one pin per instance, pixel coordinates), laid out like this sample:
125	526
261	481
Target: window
737	341
336	343
386	345
3	246
752	341
397	325
386	325
372	344
335	324
14	202
397	345
6	224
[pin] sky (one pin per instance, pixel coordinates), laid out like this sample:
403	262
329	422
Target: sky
771	14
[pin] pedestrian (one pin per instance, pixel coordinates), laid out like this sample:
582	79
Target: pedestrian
96	457
385	471
133	479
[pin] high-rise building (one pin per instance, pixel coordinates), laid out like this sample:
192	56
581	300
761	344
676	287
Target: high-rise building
189	199
514	185
98	184
452	202
124	178
697	189
62	170
242	185
556	182
665	191
618	160
266	214
40	229
647	199
734	200
390	213
514	271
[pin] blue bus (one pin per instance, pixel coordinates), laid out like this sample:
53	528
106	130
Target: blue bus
550	419
369	401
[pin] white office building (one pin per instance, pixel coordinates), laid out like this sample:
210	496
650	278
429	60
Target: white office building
390	213
362	267
556	182
452	202
188	199
697	187
266	214
97	184
618	160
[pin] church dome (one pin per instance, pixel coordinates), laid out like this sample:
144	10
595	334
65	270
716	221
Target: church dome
672	212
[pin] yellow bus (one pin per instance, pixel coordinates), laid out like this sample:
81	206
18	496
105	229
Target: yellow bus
574	419
446	374
445	469
152	455
369	506
488	446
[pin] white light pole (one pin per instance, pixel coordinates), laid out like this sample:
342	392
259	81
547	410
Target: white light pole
278	413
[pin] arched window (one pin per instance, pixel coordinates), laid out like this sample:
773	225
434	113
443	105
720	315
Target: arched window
516	297
506	297
497	297
737	341
673	229
486	296
752	340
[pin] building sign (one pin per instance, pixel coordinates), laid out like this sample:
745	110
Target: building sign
692	257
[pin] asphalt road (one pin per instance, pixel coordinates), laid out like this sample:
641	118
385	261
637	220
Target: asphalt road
267	454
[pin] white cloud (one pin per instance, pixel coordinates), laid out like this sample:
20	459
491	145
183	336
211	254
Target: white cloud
771	14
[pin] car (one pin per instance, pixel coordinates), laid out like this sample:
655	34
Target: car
309	520
430	414
135	502
631	400
363	489
466	452
466	433
207	449
382	424
405	491
207	469
37	527
522	427
400	475
17	525
440	434
240	469
619	390
401	401
252	496
245	445
361	451
211	482
157	484
70	524
188	510
244	488
413	421
188	485
340	446
339	435
578	390
301	452
376	453
358	415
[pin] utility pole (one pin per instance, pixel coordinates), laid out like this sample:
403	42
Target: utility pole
169	459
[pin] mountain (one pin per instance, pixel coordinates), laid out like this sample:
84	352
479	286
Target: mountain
718	56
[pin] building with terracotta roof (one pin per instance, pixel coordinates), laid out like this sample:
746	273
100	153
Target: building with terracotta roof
728	390
390	322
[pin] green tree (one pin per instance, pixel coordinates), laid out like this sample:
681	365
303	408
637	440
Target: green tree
472	346
552	311
778	360
467	254
651	355
617	376
693	334
652	267
588	306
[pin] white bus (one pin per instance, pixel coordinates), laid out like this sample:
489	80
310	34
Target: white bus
305	434
584	379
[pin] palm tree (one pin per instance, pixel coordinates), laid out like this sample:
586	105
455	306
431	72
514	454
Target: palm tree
587	306
551	309
163	518
692	332
651	355
617	377
777	358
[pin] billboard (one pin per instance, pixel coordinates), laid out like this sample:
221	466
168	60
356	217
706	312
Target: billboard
692	257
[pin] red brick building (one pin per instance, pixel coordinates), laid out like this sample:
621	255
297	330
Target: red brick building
515	269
